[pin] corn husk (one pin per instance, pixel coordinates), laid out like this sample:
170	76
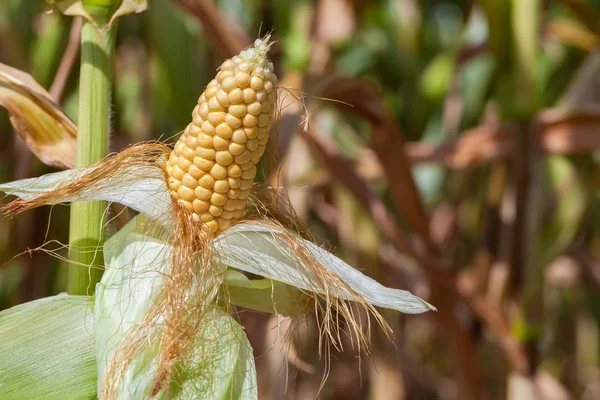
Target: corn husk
47	350
221	365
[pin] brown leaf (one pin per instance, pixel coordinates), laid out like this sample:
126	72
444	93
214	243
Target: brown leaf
46	129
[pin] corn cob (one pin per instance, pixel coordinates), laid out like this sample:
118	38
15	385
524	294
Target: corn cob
212	167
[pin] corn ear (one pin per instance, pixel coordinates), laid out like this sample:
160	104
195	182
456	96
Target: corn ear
213	165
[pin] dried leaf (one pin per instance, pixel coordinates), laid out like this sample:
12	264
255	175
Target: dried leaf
45	128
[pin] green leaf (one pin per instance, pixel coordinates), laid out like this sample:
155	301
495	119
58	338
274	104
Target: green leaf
47	350
266	295
260	250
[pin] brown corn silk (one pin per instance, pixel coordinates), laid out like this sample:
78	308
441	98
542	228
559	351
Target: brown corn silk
212	167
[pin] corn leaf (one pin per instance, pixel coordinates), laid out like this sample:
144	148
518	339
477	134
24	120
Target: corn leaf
45	128
266	295
47	350
254	248
144	190
136	267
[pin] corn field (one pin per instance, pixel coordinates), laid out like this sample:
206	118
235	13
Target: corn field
334	199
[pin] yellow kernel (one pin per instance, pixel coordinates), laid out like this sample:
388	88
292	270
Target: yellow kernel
260	71
255	108
224	157
206	217
193	129
195	172
186	193
256	155
242	79
238	214
249	95
207	181
188	153
186	204
202	193
234	171
263	140
249	174
208	154
243	158
223	223
233	193
179	146
203	111
196	118
272	78
238	110
216	117
262	132
184	163
218	171
268	87
249	120
236	148
252	132
174	185
245	193
227	65
210	91
213	105
272	97
261	96
245	186
224	131
203	164
220	144
231	205
252	144
263	120
212	225
221	186
223	98
189	181
239	136
218	199
191	142
247	166
228	84
204	140
234	182
266	107
178	173
222	75
236	96
226	214
200	206
215	211
256	83
208	128
232	121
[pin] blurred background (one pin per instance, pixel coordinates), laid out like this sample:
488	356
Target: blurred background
451	151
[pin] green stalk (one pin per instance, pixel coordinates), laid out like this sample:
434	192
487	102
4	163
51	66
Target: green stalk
88	218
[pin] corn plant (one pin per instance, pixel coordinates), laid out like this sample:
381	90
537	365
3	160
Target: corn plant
158	322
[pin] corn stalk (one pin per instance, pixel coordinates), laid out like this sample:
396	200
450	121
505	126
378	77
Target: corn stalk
86	233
